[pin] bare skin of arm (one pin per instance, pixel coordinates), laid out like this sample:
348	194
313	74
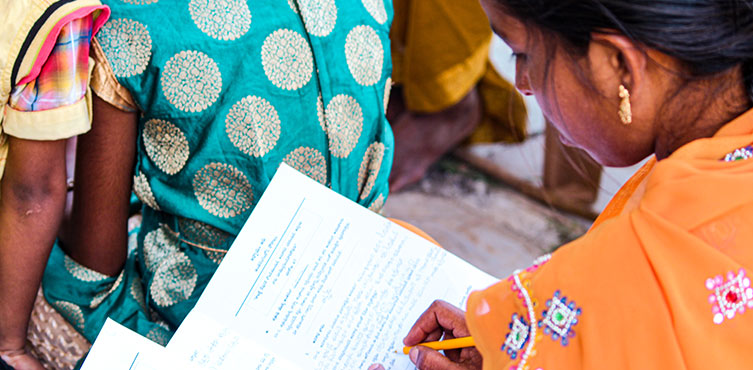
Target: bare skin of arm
97	236
32	198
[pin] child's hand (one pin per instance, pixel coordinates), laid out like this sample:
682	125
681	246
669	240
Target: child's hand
21	360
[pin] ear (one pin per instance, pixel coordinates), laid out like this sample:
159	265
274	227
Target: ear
618	58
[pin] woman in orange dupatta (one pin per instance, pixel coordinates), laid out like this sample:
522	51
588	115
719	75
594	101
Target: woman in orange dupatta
663	278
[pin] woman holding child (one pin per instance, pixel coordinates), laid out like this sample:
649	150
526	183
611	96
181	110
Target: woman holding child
662	279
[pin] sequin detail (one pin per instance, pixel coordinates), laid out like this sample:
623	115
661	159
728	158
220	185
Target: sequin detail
740	154
517	338
731	297
521	284
533	333
559	318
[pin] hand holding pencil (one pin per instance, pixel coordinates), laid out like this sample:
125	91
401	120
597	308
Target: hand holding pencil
444	324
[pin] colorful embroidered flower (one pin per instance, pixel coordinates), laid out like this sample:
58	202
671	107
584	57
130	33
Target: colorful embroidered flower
740	154
730	297
517	338
559	318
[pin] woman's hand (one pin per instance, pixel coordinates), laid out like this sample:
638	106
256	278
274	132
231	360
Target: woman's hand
440	321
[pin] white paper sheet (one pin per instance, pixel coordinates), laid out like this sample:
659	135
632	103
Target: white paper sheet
315	281
119	348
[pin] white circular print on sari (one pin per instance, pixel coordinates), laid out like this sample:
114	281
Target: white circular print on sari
320	112
310	162
191	81
174	281
221	19
370	166
292	6
166	145
158	244
364	54
143	191
103	295
72	312
81	272
378	204
387	91
222	190
344	124
287	59
376	9
319	16
127	46
253	126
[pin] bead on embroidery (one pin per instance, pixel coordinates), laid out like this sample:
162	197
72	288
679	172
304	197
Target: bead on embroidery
730	297
559	318
517	337
521	288
740	154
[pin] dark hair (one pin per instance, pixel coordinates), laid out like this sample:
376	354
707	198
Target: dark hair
708	36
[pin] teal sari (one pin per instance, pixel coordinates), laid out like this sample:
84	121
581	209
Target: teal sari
228	90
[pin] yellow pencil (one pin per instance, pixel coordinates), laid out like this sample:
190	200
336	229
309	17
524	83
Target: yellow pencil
446	344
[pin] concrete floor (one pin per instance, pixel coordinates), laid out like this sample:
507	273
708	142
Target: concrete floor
484	222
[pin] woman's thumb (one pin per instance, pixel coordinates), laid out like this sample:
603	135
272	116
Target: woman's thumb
428	359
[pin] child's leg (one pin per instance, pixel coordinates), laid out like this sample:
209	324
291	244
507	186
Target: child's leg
32	198
97	235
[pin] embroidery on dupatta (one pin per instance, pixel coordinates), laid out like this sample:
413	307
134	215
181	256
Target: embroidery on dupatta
559	318
731	297
740	154
518	339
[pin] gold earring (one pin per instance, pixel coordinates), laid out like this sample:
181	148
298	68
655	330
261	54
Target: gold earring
626	111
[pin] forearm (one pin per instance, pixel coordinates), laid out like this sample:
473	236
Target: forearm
28	226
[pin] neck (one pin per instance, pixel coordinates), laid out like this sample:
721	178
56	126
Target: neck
704	109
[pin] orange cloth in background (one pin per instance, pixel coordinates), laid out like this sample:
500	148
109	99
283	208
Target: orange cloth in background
440	51
643	277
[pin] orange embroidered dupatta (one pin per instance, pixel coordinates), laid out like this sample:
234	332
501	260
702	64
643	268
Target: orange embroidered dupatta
661	281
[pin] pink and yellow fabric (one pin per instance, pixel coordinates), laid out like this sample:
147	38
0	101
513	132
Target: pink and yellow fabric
45	68
63	77
661	281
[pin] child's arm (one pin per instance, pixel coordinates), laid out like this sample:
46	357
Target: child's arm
32	198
